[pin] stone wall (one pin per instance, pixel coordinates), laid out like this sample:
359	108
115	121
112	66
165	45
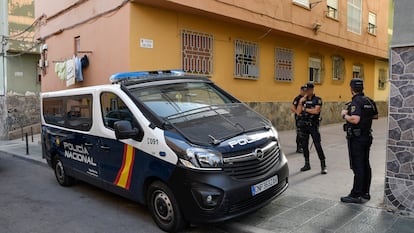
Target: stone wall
3	117
22	111
283	119
399	180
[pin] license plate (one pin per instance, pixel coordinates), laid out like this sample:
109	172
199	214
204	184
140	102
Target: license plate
264	185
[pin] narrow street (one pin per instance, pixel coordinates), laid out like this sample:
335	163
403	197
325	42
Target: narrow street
32	201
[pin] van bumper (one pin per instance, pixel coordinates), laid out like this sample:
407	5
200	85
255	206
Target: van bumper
229	197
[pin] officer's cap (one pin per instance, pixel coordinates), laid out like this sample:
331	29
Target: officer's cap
303	88
308	86
357	84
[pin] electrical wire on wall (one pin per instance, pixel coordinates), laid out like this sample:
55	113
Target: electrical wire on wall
113	10
22	37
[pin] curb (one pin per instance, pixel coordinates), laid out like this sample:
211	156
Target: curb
41	162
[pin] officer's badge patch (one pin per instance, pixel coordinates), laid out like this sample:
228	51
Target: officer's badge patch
319	101
352	108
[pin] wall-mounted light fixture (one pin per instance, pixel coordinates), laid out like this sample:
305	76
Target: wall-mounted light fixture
316	27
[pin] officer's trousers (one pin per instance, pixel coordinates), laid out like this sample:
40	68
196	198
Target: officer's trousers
313	131
298	138
359	152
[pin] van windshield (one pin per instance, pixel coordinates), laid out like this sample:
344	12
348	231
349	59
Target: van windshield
178	98
199	111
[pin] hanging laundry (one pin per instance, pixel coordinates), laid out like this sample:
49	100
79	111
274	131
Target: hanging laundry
85	61
70	72
60	70
78	70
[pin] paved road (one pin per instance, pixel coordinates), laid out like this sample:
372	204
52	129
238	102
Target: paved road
31	201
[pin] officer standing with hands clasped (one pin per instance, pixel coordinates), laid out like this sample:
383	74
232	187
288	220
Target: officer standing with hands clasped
309	109
294	108
359	115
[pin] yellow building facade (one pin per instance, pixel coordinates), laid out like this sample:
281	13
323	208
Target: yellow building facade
259	51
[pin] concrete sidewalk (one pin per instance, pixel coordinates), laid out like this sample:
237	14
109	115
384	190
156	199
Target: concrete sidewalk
18	148
311	203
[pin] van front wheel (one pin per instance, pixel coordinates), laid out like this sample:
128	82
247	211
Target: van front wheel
60	174
164	208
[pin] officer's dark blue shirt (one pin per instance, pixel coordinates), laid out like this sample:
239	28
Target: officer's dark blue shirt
312	103
365	108
296	101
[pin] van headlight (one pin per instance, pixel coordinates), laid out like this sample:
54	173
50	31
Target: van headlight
202	158
275	133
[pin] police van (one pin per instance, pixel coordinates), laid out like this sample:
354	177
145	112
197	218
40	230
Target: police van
177	143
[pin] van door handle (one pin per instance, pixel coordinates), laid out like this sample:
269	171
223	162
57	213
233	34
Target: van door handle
105	147
88	144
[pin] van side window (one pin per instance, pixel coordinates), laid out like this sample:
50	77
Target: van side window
53	111
79	112
114	109
73	112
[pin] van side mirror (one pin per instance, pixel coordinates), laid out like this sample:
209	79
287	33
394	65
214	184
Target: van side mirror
124	130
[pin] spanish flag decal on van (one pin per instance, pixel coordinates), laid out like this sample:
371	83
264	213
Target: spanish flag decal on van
123	179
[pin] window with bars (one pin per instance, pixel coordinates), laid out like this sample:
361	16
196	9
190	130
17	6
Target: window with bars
284	64
197	52
358	71
246	59
372	23
338	68
332	9
382	79
315	69
354	16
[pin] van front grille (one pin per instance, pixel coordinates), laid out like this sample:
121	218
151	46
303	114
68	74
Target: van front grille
253	164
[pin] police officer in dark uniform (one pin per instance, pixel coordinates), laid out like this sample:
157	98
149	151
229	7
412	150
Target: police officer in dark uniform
294	108
309	109
359	115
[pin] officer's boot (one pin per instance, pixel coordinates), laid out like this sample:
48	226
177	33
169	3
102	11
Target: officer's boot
324	170
306	167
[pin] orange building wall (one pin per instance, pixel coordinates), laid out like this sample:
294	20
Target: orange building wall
107	38
166	25
287	17
115	44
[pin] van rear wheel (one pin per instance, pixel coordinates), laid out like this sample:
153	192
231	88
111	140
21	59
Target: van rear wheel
164	208
60	174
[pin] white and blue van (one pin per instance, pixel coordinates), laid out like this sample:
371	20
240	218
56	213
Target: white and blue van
178	143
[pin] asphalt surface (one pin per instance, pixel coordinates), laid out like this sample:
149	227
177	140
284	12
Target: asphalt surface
32	201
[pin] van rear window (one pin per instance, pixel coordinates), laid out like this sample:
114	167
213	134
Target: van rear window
73	112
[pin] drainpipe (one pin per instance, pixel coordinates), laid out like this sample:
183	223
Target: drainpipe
3	32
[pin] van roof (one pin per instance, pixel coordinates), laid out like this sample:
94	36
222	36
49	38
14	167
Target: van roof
129	78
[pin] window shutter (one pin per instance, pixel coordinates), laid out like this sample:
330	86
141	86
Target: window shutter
333	3
372	18
302	2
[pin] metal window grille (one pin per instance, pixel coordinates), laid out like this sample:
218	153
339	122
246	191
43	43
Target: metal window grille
284	64
315	69
354	16
338	68
246	59
197	52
